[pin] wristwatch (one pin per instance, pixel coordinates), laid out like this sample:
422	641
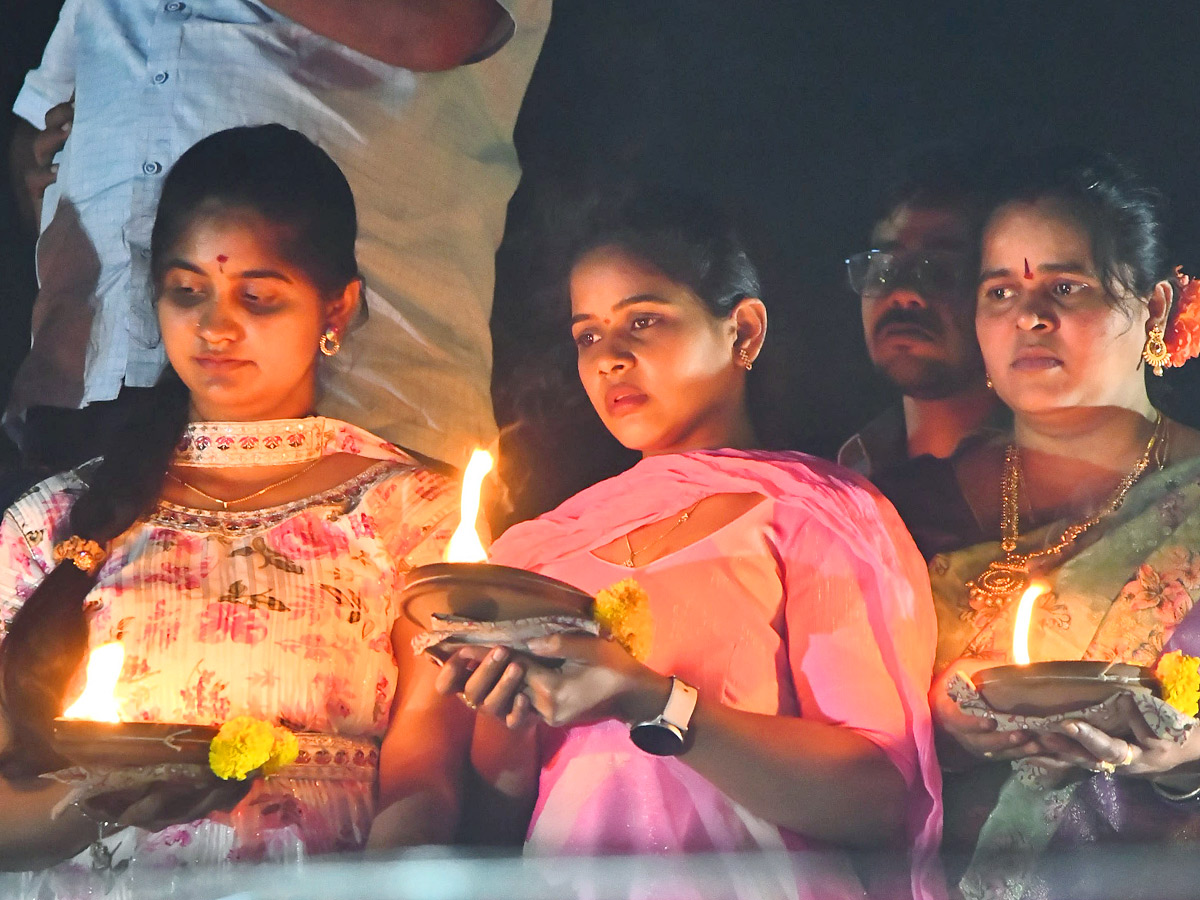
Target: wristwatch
666	734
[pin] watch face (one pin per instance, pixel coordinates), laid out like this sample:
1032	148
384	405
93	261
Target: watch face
658	738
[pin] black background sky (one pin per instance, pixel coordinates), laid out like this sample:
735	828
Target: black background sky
789	112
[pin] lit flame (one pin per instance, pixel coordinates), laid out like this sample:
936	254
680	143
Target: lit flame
97	703
465	546
1021	624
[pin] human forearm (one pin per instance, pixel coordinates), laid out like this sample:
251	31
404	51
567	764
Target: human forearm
20	163
30	837
421	35
423	815
420	775
821	781
501	784
422	758
31	160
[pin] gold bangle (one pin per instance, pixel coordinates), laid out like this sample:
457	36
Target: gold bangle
87	556
1172	795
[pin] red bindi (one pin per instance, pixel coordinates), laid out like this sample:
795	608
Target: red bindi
1028	271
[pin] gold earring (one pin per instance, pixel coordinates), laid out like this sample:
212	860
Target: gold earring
330	343
987	382
1155	352
744	358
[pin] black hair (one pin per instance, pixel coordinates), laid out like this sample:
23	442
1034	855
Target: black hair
278	173
538	398
943	175
47	639
686	237
1122	215
286	178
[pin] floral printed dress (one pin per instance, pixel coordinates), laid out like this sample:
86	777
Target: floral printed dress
1127	594
283	613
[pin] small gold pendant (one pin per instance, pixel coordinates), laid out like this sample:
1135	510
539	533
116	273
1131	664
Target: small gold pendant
999	583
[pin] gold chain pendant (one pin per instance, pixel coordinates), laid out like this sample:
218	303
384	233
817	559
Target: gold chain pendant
999	582
1005	578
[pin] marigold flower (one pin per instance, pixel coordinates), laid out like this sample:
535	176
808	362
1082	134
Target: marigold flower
623	609
1182	333
283	752
1179	675
245	744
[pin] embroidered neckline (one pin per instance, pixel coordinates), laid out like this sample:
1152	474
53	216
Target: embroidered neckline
269	442
238	522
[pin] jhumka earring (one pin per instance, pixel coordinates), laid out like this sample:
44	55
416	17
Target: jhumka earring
1155	352
744	358
330	343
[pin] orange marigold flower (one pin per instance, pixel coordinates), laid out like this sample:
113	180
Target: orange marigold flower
1182	333
245	745
1180	678
623	610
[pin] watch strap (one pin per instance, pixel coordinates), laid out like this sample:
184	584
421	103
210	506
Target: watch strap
681	704
667	733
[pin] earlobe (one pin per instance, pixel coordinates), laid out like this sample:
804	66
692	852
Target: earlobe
1159	305
750	323
341	309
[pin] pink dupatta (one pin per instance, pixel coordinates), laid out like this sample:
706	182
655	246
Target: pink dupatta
819	504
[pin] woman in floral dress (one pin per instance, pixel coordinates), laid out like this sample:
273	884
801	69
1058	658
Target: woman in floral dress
245	553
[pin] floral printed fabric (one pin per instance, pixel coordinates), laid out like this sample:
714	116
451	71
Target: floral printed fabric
283	613
1122	596
1119	597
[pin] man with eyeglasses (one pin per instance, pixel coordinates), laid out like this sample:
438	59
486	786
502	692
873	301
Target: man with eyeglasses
917	284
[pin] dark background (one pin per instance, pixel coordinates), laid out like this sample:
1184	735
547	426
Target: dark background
789	113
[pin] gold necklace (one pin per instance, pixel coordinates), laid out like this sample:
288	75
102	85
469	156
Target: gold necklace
225	504
1005	578
687	514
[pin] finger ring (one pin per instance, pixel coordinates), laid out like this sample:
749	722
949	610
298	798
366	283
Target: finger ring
1106	767
467	701
988	754
1128	756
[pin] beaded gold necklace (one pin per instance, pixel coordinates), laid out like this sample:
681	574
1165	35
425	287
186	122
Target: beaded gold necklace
1005	578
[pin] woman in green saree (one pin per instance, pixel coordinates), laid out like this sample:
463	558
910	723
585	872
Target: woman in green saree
1094	493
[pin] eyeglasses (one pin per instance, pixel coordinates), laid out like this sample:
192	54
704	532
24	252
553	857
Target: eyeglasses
936	273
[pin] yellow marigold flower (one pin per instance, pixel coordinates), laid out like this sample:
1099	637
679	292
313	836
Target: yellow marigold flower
284	751
623	609
1180	678
243	744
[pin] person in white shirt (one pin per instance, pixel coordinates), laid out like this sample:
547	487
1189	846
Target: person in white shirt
415	101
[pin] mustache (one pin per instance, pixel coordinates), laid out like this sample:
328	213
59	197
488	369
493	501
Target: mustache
924	319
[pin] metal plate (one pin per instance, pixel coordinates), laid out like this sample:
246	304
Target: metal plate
1047	688
488	593
121	744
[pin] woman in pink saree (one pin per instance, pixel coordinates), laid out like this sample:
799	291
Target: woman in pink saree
781	704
